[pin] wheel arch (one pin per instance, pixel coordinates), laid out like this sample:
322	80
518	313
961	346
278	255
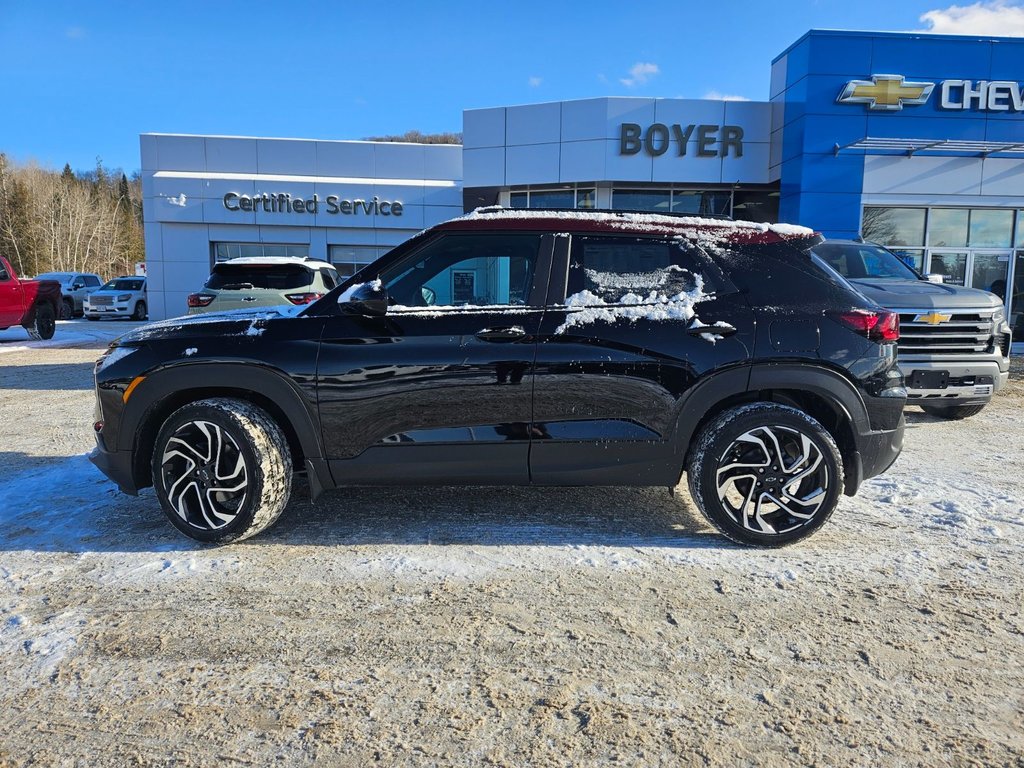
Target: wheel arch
162	393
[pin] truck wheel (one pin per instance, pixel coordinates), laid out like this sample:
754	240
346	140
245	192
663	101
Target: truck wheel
222	470
44	324
140	311
67	309
952	412
765	474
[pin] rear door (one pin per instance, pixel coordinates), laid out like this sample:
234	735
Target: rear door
619	349
439	389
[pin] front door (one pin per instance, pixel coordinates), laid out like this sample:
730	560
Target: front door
440	388
11	299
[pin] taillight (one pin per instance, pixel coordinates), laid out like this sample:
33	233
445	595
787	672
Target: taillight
302	298
200	299
875	325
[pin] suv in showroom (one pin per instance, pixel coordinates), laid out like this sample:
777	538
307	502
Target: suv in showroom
524	347
954	342
263	281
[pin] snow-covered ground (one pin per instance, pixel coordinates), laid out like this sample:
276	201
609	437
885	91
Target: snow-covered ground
69	333
507	626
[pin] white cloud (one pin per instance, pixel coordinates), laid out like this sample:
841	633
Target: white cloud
640	73
991	17
536	81
719	96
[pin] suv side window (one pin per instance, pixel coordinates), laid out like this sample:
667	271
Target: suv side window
605	269
466	270
329	278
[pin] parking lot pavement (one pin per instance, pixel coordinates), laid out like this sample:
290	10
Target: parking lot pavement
509	626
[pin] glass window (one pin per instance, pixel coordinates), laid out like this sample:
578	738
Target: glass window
349	259
862	260
1017	297
3	273
586	198
518	200
989	272
947	227
279	277
479	270
552	198
893	226
225	251
952	266
755	206
1020	229
92	281
125	284
991	228
702	203
609	268
654	200
913	257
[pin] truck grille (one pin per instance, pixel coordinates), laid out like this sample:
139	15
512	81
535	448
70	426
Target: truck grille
965	333
101	301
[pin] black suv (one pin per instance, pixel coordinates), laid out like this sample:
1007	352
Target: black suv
524	347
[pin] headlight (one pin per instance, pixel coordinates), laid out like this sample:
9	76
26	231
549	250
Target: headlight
124	297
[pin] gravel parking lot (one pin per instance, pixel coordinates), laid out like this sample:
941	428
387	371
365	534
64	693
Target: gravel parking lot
504	626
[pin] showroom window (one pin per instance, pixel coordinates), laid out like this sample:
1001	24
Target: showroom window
225	251
567	196
349	259
686	201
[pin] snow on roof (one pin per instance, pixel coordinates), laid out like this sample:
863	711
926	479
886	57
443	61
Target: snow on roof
723	229
271	260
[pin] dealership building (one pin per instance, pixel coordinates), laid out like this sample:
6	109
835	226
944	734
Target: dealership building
912	140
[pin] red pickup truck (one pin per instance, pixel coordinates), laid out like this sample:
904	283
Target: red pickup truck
29	303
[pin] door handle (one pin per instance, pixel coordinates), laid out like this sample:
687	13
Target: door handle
508	333
718	329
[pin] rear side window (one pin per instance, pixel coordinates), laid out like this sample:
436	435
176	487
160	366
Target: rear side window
330	278
278	277
608	270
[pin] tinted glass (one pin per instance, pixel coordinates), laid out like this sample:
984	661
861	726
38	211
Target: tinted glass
702	203
586	198
860	261
610	268
991	229
124	284
518	200
556	198
948	227
912	257
894	226
280	277
952	267
641	200
755	206
480	270
328	276
989	272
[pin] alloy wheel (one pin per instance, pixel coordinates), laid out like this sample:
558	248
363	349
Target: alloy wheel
772	479
204	475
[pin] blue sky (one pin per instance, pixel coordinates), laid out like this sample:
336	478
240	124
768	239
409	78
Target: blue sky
83	79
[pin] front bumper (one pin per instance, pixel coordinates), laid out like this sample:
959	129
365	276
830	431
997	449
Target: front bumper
117	465
969	383
114	310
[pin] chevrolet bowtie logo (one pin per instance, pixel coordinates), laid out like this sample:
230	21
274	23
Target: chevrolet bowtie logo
932	318
885	92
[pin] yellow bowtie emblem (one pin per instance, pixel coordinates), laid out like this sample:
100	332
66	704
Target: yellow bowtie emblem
932	318
885	92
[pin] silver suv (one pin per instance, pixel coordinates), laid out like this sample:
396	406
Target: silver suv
954	346
263	282
121	297
74	287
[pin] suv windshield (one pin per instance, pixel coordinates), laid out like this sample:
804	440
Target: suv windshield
123	284
860	260
278	277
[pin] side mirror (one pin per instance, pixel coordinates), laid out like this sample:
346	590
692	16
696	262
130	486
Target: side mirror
369	299
933	278
77	286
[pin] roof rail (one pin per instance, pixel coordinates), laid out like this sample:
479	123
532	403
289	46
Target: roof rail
674	214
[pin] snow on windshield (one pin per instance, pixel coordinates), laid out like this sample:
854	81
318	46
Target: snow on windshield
665	294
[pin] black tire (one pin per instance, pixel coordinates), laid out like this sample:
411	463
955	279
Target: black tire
67	309
140	311
92	317
952	412
44	323
232	442
738	440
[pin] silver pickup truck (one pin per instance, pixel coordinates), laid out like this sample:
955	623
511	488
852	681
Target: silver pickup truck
954	346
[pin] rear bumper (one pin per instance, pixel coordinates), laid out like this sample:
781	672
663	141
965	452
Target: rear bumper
876	452
970	382
117	465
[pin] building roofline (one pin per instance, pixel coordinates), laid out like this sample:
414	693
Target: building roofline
906	35
292	138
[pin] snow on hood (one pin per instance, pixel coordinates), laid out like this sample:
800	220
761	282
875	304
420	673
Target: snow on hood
668	294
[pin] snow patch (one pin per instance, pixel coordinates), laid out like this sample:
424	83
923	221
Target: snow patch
190	351
347	294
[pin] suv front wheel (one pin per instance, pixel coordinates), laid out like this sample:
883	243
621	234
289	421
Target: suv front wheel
765	474
222	470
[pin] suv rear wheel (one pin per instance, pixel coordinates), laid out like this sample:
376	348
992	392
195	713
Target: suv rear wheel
765	474
222	470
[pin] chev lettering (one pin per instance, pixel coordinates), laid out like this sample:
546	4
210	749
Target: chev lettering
987	95
658	137
285	203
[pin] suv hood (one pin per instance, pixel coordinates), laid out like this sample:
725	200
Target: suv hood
921	294
236	322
